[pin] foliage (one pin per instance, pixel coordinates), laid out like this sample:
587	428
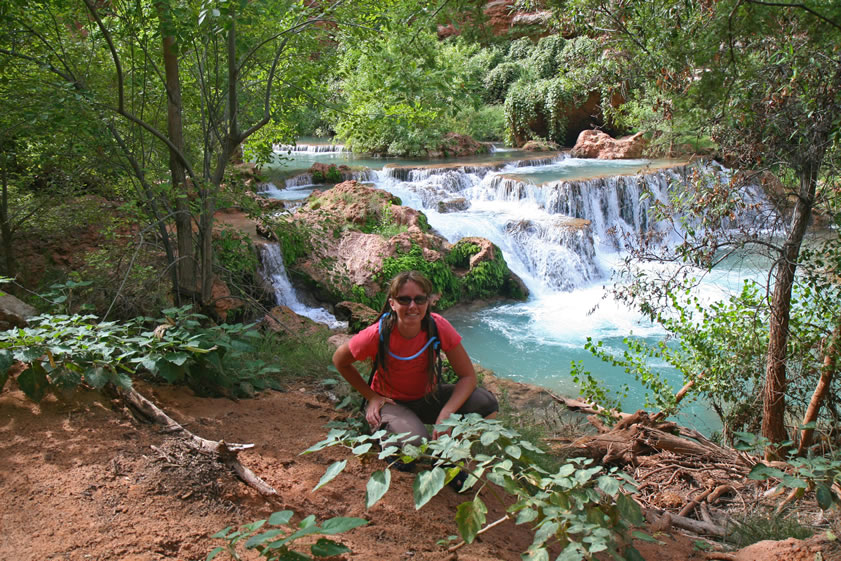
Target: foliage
820	474
443	280
558	77
397	89
67	351
583	508
236	255
275	544
333	175
486	124
756	527
718	346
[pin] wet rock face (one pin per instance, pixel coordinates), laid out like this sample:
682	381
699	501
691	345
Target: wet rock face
346	243
596	144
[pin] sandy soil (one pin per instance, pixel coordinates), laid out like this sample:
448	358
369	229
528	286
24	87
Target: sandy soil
80	479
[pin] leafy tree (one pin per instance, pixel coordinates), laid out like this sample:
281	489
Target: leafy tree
180	87
398	87
763	80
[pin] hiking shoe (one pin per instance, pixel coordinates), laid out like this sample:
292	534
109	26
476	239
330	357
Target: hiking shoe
400	465
457	482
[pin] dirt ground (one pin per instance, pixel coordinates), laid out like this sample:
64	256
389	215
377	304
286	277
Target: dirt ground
81	479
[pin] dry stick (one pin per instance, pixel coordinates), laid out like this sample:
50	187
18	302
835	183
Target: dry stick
482	531
227	453
694	502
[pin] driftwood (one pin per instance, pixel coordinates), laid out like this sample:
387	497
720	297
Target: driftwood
637	436
225	452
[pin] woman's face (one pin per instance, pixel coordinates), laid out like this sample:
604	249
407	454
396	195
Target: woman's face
410	304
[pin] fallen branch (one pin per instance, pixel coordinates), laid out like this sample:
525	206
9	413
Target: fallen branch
225	452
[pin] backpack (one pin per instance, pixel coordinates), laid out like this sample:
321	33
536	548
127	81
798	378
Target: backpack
385	335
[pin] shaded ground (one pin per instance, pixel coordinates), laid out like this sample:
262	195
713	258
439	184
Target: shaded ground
80	479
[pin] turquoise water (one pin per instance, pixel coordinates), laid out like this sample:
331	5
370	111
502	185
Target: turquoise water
536	341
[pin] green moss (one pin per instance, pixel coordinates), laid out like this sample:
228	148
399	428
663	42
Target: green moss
461	253
295	241
438	272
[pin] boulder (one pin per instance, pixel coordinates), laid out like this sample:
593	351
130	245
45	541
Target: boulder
222	302
596	144
453	205
455	145
541	146
281	319
13	312
359	316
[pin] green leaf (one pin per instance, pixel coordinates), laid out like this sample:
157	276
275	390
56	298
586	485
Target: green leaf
281	517
341	524
536	554
96	377
824	496
513	451
377	486
609	485
292	556
761	472
328	548
427	485
334	470
470	518
793	482
362	448
33	381
260	539
214	552
629	509
631	554
168	371
645	537
489	437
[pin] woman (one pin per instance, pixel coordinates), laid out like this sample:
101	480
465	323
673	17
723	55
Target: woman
405	392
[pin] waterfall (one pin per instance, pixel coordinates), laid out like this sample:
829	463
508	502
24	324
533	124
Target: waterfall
310	148
274	270
557	234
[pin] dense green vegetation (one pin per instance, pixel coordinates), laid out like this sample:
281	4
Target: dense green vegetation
125	122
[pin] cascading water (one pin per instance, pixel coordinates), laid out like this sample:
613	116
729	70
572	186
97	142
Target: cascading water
563	237
274	270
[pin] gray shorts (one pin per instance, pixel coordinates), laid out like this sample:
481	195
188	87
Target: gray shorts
411	416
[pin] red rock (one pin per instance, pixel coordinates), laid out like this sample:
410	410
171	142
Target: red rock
596	144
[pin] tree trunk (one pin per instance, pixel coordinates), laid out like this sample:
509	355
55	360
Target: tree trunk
773	405
175	130
5	224
830	362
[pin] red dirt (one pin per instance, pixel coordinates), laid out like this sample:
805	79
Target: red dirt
82	480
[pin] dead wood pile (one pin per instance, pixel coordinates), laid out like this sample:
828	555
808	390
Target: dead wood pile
685	480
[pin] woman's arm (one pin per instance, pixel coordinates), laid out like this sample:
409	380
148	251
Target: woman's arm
463	367
343	361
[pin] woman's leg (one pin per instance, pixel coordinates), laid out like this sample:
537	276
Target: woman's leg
398	419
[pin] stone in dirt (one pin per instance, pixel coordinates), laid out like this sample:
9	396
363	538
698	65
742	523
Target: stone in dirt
13	312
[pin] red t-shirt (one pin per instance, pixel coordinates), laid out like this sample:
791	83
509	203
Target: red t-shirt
406	380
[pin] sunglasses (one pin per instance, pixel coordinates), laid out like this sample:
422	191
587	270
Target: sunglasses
406	300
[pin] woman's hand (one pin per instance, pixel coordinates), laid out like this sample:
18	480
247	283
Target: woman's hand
372	412
443	416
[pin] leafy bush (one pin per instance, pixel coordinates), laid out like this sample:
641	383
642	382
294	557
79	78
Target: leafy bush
67	351
486	124
583	508
499	80
275	545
